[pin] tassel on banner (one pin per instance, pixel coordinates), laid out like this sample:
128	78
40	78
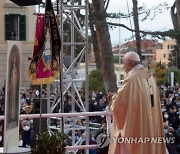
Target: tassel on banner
44	66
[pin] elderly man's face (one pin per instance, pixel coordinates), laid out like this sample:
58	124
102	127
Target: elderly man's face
126	64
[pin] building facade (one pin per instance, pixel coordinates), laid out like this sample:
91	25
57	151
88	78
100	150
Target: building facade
148	48
163	55
17	23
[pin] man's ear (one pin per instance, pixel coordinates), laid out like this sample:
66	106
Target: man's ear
130	63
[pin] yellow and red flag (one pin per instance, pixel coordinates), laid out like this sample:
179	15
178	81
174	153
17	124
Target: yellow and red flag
44	66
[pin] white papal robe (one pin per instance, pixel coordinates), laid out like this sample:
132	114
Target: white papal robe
134	116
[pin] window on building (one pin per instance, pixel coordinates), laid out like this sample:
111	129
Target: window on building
170	46
15	27
164	55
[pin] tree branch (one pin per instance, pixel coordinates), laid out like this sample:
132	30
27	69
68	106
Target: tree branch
107	4
158	34
143	12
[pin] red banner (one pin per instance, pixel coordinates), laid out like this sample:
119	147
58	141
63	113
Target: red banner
44	67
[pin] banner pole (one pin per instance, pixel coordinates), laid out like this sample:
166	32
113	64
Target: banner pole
40	109
61	66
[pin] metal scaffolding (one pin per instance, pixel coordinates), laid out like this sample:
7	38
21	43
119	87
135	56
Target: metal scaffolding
74	53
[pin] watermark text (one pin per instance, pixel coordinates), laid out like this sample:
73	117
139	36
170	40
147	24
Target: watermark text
144	140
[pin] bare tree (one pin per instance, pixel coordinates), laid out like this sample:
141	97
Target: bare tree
136	27
94	40
104	43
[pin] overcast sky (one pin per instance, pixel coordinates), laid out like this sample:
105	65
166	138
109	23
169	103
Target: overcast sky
161	22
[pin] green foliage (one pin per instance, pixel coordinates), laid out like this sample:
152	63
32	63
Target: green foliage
160	73
96	81
50	143
116	59
176	75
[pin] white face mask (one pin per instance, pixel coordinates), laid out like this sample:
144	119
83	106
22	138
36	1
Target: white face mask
26	128
37	92
165	131
166	116
163	110
93	138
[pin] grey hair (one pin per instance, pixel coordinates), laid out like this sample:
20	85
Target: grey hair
134	63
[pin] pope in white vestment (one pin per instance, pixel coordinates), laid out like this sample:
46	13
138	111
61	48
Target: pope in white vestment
137	119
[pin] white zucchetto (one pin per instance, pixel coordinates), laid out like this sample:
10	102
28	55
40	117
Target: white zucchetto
132	56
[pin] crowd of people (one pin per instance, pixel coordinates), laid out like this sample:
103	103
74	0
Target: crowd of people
170	106
26	133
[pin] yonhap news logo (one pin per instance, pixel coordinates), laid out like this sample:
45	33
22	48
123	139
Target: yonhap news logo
102	140
143	140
